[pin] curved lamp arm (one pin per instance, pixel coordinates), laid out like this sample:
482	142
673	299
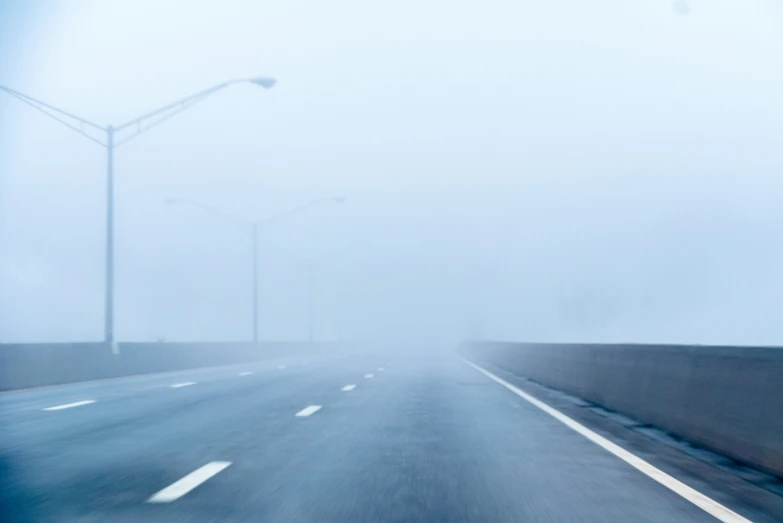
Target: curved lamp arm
158	116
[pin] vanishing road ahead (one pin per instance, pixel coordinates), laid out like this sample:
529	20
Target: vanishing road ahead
358	438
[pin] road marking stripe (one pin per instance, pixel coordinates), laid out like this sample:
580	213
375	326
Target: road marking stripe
245	373
349	388
194	479
381	369
185	384
70	405
281	366
368	376
708	505
312	409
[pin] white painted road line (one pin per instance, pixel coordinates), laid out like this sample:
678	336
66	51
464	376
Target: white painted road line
349	388
381	369
281	366
368	376
185	384
245	373
307	411
70	405
708	505
194	479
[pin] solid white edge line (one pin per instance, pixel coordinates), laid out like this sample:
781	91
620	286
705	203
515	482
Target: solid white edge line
179	488
246	373
70	405
708	505
368	375
349	388
312	409
185	384
281	366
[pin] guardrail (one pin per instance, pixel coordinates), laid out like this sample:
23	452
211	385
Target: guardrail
728	399
41	364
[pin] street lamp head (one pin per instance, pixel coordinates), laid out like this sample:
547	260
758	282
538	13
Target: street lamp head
263	81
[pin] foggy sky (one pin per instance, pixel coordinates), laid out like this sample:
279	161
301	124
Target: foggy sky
597	171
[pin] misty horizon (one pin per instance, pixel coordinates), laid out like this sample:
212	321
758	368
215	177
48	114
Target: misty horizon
571	172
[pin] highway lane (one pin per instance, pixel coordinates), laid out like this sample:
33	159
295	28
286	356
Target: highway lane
423	439
37	398
131	440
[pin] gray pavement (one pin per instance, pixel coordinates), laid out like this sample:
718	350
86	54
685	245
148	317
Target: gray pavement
426	439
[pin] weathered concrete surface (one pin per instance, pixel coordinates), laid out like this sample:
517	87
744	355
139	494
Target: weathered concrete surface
729	399
40	364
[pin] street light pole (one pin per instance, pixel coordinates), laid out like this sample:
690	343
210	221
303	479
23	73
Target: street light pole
310	302
109	288
254	227
255	282
141	125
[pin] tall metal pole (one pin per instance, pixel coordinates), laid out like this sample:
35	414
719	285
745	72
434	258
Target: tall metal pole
254	228
255	283
151	119
310	303
109	326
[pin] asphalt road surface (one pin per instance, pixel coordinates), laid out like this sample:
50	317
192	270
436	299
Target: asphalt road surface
360	438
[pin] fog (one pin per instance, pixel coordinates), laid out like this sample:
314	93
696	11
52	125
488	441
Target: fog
583	171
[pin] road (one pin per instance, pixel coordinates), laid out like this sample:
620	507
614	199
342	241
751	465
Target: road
426	439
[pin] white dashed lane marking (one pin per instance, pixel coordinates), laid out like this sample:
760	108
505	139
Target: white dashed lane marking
368	376
70	405
349	388
381	369
307	411
194	479
245	373
281	366
185	384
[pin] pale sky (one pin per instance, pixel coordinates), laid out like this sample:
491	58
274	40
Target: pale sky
596	170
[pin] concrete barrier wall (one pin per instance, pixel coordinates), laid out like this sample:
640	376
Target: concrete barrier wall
41	364
729	399
35	365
